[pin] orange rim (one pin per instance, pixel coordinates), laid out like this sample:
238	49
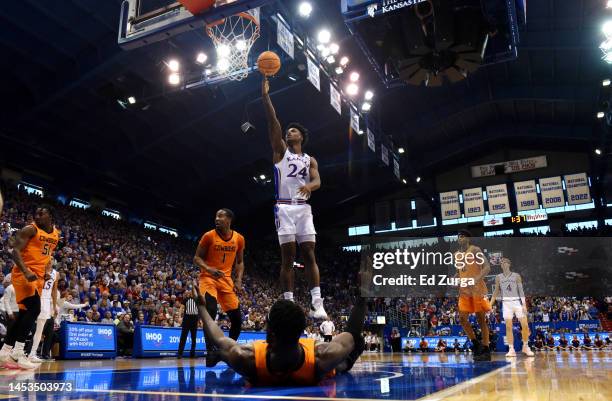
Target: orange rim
242	15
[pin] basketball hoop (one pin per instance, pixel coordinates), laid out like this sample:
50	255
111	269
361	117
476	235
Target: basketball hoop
233	38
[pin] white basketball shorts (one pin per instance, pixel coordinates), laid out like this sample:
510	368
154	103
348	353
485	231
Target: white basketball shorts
512	308
294	222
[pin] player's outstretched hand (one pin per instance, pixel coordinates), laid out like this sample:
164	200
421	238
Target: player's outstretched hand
265	86
196	289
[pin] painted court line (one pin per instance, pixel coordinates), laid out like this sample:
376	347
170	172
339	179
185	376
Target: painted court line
439	395
231	396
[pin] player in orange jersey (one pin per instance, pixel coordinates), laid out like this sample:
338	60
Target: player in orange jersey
471	263
285	358
220	252
33	249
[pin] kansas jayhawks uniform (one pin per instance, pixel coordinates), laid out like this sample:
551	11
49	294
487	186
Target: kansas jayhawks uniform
293	215
511	294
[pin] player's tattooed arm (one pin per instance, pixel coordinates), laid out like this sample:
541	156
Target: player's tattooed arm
275	131
21	239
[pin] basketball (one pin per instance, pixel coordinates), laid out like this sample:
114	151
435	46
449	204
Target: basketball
268	63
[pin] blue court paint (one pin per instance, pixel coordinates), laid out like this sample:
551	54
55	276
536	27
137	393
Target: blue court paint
409	379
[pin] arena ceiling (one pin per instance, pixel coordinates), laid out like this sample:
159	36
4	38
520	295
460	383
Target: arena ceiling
180	155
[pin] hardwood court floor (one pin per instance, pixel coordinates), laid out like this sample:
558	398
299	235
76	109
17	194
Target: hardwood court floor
549	376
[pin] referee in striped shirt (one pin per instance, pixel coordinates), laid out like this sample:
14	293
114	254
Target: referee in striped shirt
190	323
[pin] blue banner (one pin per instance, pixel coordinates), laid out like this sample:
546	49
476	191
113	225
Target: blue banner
154	341
87	340
432	342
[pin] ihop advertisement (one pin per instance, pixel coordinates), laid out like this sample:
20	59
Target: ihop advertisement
153	341
87	341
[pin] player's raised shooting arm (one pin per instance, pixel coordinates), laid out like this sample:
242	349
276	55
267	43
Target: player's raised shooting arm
275	131
495	291
240	358
315	177
22	238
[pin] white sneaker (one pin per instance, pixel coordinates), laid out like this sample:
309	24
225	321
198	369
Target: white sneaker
317	311
24	363
527	351
6	361
511	353
35	359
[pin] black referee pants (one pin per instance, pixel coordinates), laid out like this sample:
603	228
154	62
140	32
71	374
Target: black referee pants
190	325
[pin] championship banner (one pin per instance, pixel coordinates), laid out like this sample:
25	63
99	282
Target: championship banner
354	120
578	191
513	166
449	205
334	98
497	195
473	204
285	38
551	190
396	168
314	75
384	154
371	141
526	195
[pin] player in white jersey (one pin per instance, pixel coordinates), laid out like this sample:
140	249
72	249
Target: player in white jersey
48	310
510	285
296	176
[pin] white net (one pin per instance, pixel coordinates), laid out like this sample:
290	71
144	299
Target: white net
233	38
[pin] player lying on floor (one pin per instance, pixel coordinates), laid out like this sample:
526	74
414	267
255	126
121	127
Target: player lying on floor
285	358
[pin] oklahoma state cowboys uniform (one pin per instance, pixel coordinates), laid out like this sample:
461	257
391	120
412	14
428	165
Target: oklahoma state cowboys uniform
36	256
472	299
220	254
304	376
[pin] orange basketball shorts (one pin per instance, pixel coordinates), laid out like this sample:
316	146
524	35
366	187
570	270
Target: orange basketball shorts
471	304
222	290
25	289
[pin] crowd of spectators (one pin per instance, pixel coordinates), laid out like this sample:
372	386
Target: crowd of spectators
115	271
